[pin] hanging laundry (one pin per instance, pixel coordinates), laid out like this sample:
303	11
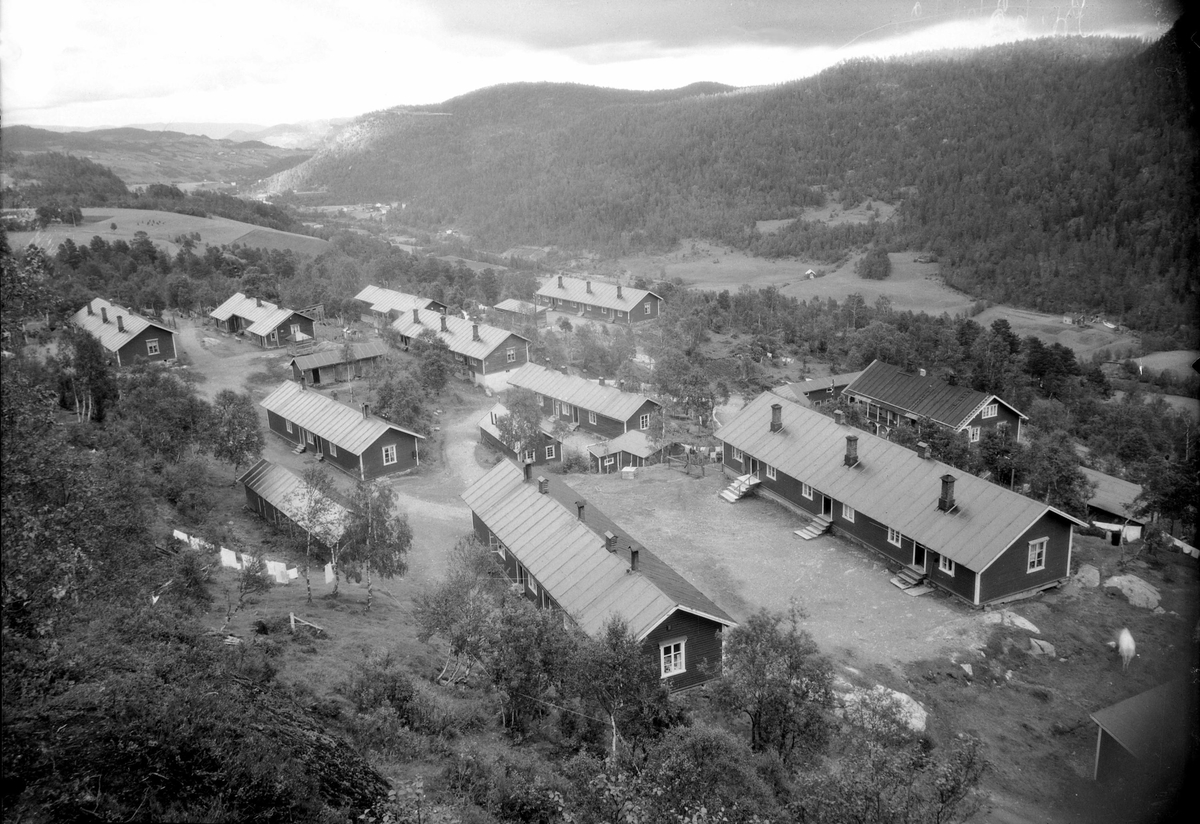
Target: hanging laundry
229	559
182	536
329	573
293	574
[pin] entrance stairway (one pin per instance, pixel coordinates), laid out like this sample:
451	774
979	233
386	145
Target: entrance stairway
740	488
908	578
818	526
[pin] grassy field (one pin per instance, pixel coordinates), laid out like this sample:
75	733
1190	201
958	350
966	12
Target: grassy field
161	228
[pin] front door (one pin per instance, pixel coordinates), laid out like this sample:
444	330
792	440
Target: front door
754	467
827	506
295	331
316	376
918	557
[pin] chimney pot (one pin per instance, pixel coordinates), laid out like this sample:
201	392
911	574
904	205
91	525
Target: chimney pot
475	332
839	417
610	541
619	292
560	283
120	324
416	315
543	483
851	450
602	381
103	314
258	302
588	283
946	501
925	450
776	417
633	560
91	311
579	505
444	327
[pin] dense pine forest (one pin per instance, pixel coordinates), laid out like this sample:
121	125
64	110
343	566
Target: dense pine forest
1056	174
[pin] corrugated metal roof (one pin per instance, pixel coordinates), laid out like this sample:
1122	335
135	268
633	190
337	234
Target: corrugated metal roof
459	335
341	425
284	490
605	400
602	294
822	384
107	333
262	319
336	356
499	411
388	300
634	442
520	307
1152	724
1112	494
923	396
567	556
890	483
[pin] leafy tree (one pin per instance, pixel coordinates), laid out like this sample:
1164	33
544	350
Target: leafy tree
88	377
522	425
874	265
234	434
161	412
318	518
377	536
436	363
777	679
1050	467
401	400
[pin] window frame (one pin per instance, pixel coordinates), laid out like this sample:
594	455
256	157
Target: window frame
496	545
609	460
591	417
674	651
395	455
974	433
991	410
522	575
152	347
644	420
806	491
739	455
332	448
847	512
530	455
511	354
1038	550
894	537
551	452
771	473
646	306
287	424
946	565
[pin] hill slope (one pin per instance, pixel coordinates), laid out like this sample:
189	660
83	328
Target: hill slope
1056	174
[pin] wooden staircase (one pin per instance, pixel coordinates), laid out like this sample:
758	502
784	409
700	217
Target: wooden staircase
817	527
740	488
908	578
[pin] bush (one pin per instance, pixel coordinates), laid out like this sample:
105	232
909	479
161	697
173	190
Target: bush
573	461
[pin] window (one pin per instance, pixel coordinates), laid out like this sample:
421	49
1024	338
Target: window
806	491
945	565
312	440
389	455
644	421
550	452
894	537
974	434
604	310
566	410
288	424
494	544
332	449
295	329
522	575
991	410
511	354
530	455
848	512
737	454
646	306
591	417
1037	554
770	472
671	656
152	346
620	314
532	584
610	460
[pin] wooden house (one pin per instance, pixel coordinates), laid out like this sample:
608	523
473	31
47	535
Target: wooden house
892	396
486	355
1144	743
1111	505
338	364
549	451
517	314
126	334
596	300
961	533
352	440
277	494
633	448
817	392
567	555
265	324
594	407
381	307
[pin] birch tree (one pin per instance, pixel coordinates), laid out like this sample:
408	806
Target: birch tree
378	536
320	517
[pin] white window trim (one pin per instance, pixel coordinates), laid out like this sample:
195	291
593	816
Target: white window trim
894	537
610	460
152	346
975	433
644	421
806	491
311	438
494	545
1037	555
646	306
511	353
395	455
591	417
530	455
770	472
847	513
550	452
332	449
678	659
522	575
945	565
738	455
991	410
288	425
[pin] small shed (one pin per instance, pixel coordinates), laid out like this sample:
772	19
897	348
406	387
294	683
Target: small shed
632	449
515	314
1111	506
1143	742
337	364
547	452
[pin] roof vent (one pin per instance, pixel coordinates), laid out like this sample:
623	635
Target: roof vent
633	560
946	501
527	473
600	381
619	292
91	311
851	450
366	410
921	372
258	302
776	417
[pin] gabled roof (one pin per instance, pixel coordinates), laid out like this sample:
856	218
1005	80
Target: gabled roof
1112	494
499	411
1154	724
811	385
459	335
567	556
604	400
341	425
634	442
331	357
520	307
284	490
388	300
263	316
890	483
108	335
922	396
601	294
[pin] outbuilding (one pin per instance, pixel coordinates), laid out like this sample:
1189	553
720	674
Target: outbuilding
634	448
548	451
265	324
126	334
276	494
340	363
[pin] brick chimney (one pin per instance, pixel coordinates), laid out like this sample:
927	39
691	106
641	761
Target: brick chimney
103	314
839	417
91	311
610	541
946	501
633	560
601	381
475	332
543	483
120	323
579	506
851	450
258	302
416	315
924	450
366	410
444	327
588	283
619	292
776	417
560	284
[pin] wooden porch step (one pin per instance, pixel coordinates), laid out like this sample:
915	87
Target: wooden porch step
816	528
910	576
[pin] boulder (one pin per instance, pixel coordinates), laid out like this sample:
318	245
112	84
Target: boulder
968	669
1087	576
1009	618
1039	647
1138	592
908	711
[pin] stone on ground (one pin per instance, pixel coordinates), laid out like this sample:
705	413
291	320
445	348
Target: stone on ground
1139	593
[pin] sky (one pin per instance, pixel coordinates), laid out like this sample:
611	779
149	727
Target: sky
89	63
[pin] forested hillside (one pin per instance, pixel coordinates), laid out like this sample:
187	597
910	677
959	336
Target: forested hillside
1056	174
